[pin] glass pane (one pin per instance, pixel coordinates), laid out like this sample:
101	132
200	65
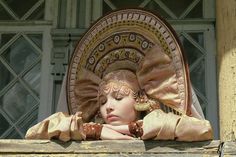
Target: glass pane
191	51
127	3
38	14
17	6
17	101
33	78
14	135
4	125
20	55
154	7
106	8
177	7
4	15
198	37
196	12
5	38
29	122
8	77
36	38
198	77
203	105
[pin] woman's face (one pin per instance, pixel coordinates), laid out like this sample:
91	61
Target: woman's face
117	107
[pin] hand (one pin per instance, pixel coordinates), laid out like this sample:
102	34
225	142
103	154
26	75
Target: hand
110	134
60	126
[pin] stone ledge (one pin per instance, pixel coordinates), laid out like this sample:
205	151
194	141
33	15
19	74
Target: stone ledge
112	148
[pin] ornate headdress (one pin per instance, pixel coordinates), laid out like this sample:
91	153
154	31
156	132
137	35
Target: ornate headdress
134	40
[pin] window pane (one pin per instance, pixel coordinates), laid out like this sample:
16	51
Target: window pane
106	8
20	55
13	135
36	38
8	77
29	122
203	105
154	7
17	6
17	101
198	77
5	38
33	78
127	3
4	15
191	51
177	7
4	125
198	37
38	14
196	12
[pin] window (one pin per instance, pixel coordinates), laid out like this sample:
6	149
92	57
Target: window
38	36
21	55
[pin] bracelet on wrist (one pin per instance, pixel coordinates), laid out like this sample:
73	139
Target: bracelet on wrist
92	131
136	129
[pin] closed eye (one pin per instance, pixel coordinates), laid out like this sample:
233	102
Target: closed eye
103	100
119	98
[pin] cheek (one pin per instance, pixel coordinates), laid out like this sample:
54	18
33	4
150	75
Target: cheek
128	110
103	111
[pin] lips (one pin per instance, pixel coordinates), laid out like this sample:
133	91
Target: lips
112	117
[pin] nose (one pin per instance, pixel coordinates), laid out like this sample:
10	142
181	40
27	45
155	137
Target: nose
109	106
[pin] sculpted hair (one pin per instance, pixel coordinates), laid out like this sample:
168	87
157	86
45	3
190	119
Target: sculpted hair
123	77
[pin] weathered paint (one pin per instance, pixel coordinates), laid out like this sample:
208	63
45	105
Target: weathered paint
226	51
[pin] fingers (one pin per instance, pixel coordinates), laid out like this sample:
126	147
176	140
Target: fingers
78	114
76	128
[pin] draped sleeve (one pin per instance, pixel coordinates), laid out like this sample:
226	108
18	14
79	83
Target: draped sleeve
59	126
168	126
157	76
86	93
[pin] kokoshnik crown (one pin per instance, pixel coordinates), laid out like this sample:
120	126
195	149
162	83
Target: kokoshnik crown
135	40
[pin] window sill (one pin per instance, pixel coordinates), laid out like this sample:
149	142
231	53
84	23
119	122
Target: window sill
112	147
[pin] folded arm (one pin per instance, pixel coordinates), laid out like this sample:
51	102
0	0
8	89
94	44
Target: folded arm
66	127
59	126
167	126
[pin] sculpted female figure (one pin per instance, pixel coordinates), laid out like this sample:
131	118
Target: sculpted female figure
129	105
128	79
